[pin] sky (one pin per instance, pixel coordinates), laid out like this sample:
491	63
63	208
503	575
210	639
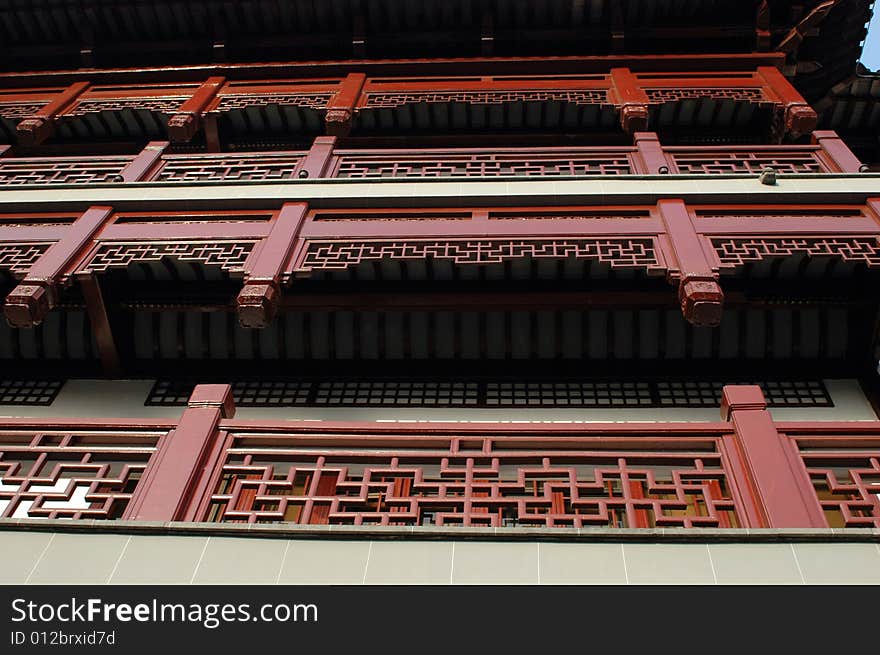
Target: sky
871	53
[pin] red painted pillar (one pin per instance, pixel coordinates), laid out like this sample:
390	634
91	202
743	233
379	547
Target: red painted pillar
632	100
340	109
39	127
258	302
141	167
798	117
653	159
36	295
701	297
837	152
782	489
172	475
318	160
188	118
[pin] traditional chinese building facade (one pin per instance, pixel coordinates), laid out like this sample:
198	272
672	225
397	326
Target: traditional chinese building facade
439	291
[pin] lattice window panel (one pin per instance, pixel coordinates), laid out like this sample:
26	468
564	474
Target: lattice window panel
17	172
846	479
446	165
569	394
493	393
778	393
229	168
83	474
269	478
719	163
29	392
398	393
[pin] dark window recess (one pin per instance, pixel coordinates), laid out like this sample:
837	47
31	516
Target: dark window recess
492	393
29	392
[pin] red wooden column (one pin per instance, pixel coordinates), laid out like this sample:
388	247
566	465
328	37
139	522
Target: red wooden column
36	295
783	490
836	150
188	119
141	167
39	127
319	157
340	109
632	100
258	302
650	151
172	475
798	117
699	293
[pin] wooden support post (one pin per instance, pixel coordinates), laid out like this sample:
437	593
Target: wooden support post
35	129
653	160
188	118
340	109
97	311
317	161
781	487
632	100
836	150
257	302
798	117
175	469
36	295
141	167
699	293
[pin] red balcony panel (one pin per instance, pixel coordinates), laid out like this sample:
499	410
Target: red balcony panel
489	476
74	469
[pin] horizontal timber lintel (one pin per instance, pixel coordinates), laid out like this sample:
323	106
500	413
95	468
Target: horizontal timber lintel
591	190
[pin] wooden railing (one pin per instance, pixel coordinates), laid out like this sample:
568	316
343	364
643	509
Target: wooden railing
225	109
744	471
826	154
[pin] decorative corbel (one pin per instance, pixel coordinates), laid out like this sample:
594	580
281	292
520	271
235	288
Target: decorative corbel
340	109
257	303
35	129
184	124
632	100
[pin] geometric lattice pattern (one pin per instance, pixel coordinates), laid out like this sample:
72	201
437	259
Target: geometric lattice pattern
29	392
15	111
71	474
674	94
338	255
777	393
61	170
478	482
450	164
376	100
304	100
753	162
160	105
736	252
488	393
17	258
228	255
846	477
196	168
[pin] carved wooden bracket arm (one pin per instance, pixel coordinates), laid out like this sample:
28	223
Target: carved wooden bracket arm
184	124
35	129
